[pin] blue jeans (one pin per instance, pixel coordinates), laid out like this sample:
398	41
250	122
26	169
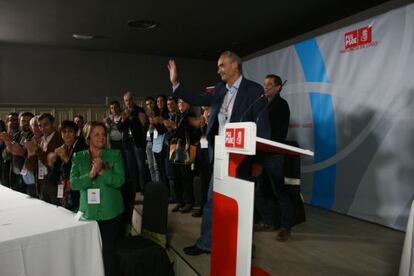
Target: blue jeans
204	241
152	165
135	164
161	165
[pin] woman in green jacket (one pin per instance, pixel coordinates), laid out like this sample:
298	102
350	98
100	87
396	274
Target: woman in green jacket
98	173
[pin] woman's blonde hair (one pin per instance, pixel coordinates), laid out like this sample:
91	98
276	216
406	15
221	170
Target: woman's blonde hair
89	126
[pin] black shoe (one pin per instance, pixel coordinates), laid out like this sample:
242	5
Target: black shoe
194	250
283	234
187	208
177	207
197	214
263	227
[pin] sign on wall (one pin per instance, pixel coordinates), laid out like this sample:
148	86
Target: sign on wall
351	96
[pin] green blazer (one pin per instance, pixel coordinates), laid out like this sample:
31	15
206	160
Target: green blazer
110	183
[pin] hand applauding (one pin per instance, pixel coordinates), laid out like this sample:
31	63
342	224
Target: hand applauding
97	168
6	137
51	159
62	153
32	147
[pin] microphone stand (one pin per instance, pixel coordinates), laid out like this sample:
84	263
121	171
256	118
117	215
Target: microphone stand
250	106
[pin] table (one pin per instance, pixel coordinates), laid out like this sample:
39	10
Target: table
40	239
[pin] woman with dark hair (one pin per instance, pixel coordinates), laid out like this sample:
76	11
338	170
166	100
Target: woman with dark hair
60	163
159	145
161	101
186	136
98	173
151	111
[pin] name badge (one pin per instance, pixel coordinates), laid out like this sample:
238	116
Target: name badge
42	170
203	143
60	189
23	171
148	136
94	196
155	133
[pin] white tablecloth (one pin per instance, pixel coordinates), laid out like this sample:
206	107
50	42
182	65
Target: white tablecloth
407	259
39	239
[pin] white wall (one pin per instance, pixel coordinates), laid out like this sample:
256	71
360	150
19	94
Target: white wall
33	74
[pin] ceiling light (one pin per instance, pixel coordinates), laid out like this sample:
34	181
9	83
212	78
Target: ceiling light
143	24
86	37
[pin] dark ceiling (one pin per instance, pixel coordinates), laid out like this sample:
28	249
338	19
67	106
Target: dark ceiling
188	28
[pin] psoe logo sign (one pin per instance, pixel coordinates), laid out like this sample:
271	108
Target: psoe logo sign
229	138
358	39
234	138
239	135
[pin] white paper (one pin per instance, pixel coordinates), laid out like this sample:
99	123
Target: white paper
203	143
42	170
60	191
94	196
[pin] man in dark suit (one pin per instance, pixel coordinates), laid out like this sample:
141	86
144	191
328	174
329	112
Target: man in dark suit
235	99
39	151
134	141
271	183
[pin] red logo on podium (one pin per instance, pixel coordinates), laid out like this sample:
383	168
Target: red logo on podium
229	138
239	142
234	138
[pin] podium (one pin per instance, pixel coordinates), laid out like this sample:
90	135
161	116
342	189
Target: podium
407	258
233	198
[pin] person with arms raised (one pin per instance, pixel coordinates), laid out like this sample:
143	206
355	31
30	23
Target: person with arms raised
230	102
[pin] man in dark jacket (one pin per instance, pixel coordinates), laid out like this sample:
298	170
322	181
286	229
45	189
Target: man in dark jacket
235	99
271	184
134	140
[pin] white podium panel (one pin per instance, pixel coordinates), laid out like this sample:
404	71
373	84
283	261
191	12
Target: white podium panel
232	226
407	258
233	198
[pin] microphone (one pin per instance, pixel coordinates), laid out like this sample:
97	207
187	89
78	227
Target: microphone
250	106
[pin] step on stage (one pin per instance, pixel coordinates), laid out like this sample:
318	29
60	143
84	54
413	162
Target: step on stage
326	244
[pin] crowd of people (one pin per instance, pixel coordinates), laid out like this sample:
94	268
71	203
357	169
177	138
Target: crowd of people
116	158
98	167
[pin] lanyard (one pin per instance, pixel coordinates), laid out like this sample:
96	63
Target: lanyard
226	106
90	159
70	150
225	109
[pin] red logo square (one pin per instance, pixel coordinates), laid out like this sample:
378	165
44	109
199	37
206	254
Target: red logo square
239	138
229	138
351	39
365	35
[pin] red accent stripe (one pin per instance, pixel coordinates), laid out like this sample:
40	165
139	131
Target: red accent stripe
257	271
234	161
224	235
